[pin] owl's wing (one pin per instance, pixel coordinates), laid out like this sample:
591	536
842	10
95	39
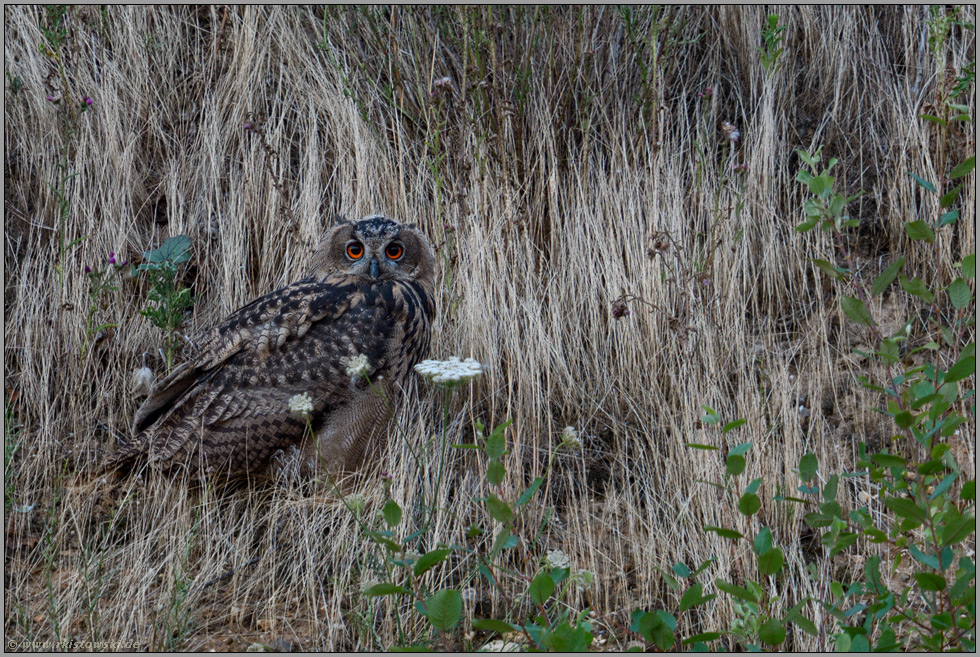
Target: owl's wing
232	398
259	327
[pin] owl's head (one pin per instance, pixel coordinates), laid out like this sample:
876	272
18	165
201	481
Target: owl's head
376	249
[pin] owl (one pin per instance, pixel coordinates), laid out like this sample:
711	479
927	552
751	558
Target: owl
330	353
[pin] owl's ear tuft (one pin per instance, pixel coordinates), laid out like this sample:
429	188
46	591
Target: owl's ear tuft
339	219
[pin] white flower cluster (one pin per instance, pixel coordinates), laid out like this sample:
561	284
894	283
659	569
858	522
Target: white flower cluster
581	579
356	503
570	439
301	405
450	372
358	367
557	559
502	646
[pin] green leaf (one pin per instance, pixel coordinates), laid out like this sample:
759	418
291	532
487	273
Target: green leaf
934	119
828	269
773	632
735	465
925	184
969	266
385	588
964	167
802	622
174	249
860	643
496	444
654	629
807	225
495	472
504	540
529	493
444	609
692	597
710	415
771	562
681	570
916	288
856	311
384	541
959	529
808	467
820	184
886	277
928	559
844	541
733	425
494	625
888	460
749	504
966	366
741	448
904	419
541	588
763	541
392	513
906	508
737	591
947	200
832	509
701	446
920	230
830	488
959	294
498	509
724	533
429	559
817	520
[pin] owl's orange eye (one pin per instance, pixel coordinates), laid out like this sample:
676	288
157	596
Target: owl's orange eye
394	251
355	250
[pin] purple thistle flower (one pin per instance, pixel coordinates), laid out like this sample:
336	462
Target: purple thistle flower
87	100
52	99
247	126
88	270
112	257
707	93
619	310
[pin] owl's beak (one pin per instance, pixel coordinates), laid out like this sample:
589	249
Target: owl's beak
375	270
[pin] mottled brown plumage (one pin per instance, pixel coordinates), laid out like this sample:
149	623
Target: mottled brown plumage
369	291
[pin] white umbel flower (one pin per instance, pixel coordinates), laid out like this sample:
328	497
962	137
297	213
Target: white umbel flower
450	372
358	367
581	579
301	405
557	559
501	646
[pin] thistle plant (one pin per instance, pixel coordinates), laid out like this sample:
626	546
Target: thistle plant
167	299
101	283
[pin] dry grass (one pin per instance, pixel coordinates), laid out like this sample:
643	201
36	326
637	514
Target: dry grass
558	147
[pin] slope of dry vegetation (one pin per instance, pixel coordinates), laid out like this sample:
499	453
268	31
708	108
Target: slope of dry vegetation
607	252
